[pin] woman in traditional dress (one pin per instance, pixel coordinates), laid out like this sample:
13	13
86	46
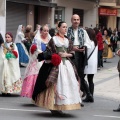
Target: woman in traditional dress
40	42
29	35
107	51
19	40
57	86
10	76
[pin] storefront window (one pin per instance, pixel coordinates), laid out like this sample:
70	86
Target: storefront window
59	14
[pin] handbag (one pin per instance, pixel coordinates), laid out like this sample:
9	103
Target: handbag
47	54
91	53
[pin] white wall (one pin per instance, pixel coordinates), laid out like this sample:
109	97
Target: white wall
88	7
90	18
3	26
3	17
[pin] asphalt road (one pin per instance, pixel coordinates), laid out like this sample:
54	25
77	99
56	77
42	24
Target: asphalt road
107	98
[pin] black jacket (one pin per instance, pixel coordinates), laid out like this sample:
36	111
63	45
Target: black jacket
1	39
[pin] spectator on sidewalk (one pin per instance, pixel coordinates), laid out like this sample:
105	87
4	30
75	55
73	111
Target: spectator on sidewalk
100	47
91	68
118	109
114	40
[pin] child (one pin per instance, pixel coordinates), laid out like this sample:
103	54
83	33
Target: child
10	76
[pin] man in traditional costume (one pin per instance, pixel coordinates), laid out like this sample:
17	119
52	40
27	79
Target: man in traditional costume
81	42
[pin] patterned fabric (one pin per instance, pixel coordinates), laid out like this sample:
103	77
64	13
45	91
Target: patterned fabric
15	88
71	36
52	78
46	100
28	86
54	72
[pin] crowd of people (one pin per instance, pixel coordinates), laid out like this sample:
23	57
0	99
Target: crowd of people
57	62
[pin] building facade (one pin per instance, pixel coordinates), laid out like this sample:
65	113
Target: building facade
27	12
85	8
92	13
109	13
49	12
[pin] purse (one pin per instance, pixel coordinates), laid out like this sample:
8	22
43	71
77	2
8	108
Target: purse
91	53
47	54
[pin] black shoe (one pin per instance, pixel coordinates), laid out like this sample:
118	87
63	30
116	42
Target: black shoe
105	61
89	99
82	105
8	94
117	110
4	94
56	112
21	65
84	94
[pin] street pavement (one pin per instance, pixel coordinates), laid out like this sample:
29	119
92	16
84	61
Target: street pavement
107	98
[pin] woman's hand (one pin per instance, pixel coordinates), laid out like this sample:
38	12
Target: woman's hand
62	54
77	49
65	54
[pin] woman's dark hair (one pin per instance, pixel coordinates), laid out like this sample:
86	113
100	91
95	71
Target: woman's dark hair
60	23
96	30
52	32
41	29
92	35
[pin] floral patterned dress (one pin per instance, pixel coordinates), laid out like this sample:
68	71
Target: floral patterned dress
10	77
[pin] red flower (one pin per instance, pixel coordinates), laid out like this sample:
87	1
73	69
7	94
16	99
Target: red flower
33	48
56	59
15	53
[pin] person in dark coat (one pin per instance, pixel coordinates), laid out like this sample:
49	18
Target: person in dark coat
1	40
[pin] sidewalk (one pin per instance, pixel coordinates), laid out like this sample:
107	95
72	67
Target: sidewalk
107	82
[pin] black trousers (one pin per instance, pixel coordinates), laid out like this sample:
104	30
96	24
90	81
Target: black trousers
90	82
90	79
79	63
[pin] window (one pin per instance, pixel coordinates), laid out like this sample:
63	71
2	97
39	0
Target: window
59	14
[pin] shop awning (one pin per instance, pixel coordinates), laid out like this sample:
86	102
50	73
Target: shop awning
108	11
34	2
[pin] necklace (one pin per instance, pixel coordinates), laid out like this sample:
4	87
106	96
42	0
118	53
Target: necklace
60	36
